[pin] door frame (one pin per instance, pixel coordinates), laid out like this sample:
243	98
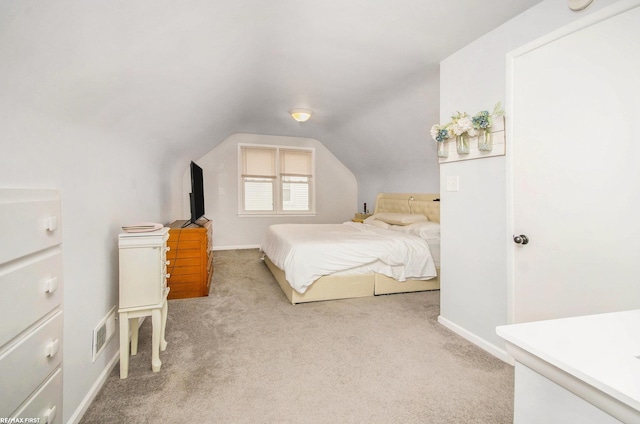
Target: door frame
594	18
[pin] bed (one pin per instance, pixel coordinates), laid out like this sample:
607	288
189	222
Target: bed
354	262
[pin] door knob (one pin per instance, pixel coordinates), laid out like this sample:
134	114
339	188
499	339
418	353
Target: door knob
521	239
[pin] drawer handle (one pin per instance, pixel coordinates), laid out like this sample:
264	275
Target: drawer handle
167	262
50	415
168	248
167	276
52	223
52	348
51	285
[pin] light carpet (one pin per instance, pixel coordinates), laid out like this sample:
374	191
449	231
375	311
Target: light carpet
244	354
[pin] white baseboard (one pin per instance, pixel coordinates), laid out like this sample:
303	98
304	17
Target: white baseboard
478	341
95	389
257	246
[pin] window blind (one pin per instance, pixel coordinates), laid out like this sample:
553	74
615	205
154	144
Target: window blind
276	179
295	162
258	162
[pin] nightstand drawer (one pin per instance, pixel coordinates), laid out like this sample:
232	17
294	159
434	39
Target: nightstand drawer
27	363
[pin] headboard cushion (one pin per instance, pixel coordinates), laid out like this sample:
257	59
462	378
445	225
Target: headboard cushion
422	203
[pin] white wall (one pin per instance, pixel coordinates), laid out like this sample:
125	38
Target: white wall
474	220
335	185
409	153
106	182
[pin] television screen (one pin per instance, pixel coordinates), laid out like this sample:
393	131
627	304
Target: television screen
197	193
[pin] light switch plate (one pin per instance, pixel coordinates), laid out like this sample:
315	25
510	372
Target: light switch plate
453	183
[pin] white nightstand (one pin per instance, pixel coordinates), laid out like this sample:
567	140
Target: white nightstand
143	292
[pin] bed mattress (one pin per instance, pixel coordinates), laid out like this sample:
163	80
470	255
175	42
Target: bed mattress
306	252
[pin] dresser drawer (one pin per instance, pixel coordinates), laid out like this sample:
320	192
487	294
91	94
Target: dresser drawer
46	403
31	220
30	289
27	364
194	246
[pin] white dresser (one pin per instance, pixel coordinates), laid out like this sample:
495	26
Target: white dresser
31	304
143	292
583	369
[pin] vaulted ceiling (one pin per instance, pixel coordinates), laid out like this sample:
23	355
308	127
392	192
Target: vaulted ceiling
183	75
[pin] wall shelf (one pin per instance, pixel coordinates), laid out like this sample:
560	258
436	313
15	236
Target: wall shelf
499	142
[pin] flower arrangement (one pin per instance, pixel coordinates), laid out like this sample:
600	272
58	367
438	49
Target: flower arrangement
482	120
440	133
463	126
462	123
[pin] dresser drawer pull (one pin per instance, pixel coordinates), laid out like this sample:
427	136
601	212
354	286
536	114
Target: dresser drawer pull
167	262
52	348
50	415
51	285
167	276
168	248
52	223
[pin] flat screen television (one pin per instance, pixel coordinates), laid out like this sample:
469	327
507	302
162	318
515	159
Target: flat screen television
196	197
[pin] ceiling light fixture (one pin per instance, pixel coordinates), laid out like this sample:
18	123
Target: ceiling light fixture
300	115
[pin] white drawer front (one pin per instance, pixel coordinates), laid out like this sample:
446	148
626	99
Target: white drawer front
30	289
29	222
46	403
26	365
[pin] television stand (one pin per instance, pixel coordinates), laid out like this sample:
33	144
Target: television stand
188	222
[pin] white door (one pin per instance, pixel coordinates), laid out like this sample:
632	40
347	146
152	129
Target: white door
575	170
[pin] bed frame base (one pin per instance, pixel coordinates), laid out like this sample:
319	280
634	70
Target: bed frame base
349	286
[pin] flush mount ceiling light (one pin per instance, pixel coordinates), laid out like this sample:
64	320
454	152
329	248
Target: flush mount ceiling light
577	5
300	115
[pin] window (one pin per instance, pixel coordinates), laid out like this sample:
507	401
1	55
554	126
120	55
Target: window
276	180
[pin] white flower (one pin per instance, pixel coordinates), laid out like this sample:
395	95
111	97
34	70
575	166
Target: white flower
463	125
435	130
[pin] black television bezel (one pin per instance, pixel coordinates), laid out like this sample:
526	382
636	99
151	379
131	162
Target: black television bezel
196	197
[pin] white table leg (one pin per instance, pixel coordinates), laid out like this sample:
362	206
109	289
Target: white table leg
163	341
124	345
134	324
156	321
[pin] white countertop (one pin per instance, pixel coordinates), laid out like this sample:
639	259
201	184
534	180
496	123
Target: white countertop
602	350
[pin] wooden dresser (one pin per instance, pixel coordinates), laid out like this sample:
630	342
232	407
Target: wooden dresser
31	304
190	259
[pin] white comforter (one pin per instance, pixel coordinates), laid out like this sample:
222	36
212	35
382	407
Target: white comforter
306	252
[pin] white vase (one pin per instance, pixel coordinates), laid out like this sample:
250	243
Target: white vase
485	140
443	149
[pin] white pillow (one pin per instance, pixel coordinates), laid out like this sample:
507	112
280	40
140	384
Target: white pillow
426	230
400	218
376	223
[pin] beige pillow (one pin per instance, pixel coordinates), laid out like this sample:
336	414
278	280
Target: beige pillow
426	229
400	218
376	223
